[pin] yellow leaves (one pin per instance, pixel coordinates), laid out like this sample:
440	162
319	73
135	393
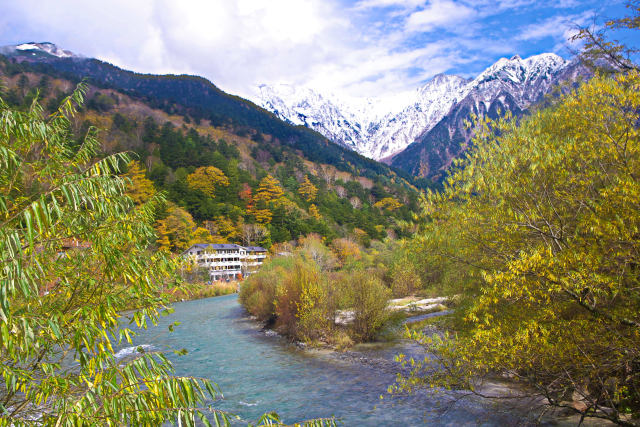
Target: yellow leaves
388	204
207	179
141	188
307	190
548	211
269	190
263	216
268	195
175	231
314	212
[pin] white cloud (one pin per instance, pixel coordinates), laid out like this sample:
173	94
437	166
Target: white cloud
369	48
439	13
372	4
556	27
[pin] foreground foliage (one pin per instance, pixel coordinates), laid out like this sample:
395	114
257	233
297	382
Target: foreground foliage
74	254
541	230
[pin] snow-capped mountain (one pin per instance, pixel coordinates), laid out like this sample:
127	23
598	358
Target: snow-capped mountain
431	103
331	117
510	84
381	136
364	125
39	48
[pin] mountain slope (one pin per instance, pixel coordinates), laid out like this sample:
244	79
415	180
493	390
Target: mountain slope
200	99
176	143
510	84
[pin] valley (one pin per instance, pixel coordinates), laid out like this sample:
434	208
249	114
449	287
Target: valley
405	223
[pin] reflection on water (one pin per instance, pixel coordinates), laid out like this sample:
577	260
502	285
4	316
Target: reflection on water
259	373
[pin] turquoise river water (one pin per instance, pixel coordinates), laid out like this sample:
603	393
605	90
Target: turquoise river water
259	372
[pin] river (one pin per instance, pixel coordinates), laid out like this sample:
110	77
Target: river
260	372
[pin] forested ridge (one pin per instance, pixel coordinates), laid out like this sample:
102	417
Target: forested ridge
227	182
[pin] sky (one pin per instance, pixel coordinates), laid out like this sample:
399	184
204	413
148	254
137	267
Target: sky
360	48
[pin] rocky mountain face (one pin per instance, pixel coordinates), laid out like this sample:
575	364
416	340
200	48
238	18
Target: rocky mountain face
424	135
513	84
35	49
364	126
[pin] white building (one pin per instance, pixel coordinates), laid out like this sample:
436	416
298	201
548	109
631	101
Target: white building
227	261
255	257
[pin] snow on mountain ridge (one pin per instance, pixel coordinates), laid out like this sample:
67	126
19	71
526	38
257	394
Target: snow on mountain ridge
46	47
359	125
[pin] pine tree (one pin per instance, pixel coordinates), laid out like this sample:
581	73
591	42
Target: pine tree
307	190
269	190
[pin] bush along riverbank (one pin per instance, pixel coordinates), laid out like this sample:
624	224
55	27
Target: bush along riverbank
321	296
199	290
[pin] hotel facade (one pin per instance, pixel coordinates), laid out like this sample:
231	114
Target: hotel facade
226	261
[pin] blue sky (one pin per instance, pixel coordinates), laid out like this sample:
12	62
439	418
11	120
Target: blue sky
362	48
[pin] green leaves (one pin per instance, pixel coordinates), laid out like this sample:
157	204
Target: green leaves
73	254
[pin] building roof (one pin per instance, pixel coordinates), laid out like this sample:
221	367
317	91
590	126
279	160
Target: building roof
214	246
218	246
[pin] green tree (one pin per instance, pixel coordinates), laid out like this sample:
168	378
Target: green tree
74	255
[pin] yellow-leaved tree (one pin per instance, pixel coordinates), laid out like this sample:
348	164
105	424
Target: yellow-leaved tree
314	212
207	179
175	231
388	204
141	188
268	194
269	190
540	224
307	190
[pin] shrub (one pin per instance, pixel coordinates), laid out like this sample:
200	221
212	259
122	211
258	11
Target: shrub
368	297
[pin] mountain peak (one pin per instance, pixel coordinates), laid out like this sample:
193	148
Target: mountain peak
518	70
41	47
381	127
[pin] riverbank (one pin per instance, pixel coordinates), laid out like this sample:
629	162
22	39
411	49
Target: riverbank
195	291
496	390
259	372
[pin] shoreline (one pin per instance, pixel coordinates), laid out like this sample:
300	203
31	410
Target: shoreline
196	291
499	388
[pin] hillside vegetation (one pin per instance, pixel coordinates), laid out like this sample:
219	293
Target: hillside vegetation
225	181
